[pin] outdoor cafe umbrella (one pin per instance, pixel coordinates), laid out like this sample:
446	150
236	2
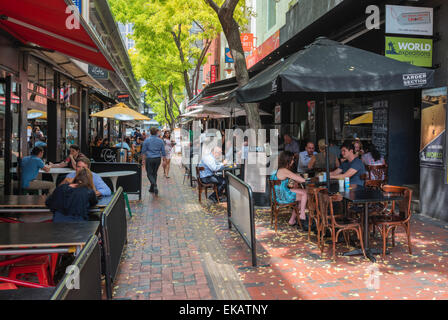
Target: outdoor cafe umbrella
329	68
120	112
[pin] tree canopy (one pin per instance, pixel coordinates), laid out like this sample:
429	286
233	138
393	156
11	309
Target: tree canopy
171	39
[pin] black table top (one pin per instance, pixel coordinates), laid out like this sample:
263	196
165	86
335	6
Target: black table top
363	195
27	294
38	202
14	235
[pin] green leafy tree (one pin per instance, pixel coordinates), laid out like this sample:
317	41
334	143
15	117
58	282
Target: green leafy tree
166	49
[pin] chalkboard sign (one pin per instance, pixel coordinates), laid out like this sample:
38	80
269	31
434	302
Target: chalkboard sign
100	154
380	127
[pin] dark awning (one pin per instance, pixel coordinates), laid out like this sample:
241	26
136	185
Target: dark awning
328	66
44	23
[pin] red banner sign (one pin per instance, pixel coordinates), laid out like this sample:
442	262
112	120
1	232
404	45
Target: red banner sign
272	43
213	73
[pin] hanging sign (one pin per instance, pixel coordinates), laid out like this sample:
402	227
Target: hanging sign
98	73
123	97
417	52
409	20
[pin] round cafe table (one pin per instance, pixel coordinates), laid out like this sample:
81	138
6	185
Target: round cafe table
53	171
113	175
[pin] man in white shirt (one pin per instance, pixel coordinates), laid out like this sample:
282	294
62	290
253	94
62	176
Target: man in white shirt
212	165
305	157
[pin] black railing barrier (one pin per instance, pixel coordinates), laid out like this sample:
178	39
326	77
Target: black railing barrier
240	211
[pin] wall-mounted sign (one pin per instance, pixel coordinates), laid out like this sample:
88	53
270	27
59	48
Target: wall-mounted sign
213	73
412	50
247	40
123	97
228	56
409	20
433	125
98	73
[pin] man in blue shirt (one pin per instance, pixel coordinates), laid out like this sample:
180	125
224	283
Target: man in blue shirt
30	166
152	151
102	190
123	145
353	168
305	157
211	164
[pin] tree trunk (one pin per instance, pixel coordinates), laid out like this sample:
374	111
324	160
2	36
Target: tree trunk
231	30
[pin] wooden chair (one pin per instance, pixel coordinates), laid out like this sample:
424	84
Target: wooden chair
276	207
391	221
335	223
312	211
377	176
205	186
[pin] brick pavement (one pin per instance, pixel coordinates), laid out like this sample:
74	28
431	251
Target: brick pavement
180	249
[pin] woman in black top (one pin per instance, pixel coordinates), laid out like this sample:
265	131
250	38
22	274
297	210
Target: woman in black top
71	202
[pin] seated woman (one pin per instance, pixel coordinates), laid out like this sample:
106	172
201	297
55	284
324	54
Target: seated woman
283	193
71	202
319	160
372	158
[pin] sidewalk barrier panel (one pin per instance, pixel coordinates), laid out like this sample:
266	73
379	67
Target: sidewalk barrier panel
240	211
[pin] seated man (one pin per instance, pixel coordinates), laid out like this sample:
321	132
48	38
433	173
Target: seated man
305	157
352	168
30	166
212	165
123	145
291	145
70	161
102	190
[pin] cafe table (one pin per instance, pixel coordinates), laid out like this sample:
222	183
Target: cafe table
53	171
364	196
114	175
42	238
27	294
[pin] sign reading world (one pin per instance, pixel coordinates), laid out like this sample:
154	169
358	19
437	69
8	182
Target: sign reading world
98	73
409	20
417	52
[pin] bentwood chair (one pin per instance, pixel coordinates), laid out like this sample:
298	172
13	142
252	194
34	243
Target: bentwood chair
335	223
205	186
312	211
276	207
389	222
377	176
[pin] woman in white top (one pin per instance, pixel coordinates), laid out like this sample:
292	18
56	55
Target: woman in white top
169	144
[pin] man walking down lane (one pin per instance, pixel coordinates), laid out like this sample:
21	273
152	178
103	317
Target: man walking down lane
153	151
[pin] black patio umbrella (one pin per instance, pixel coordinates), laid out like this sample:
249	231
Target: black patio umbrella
327	67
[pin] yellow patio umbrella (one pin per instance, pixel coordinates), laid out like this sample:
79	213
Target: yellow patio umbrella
364	119
121	112
37	114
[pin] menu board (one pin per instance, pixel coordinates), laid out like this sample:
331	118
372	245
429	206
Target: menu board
380	127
